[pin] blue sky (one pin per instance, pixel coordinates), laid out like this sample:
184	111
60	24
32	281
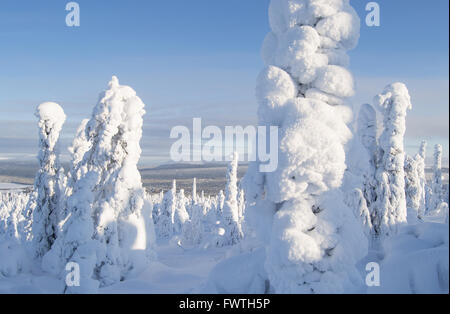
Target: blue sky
197	58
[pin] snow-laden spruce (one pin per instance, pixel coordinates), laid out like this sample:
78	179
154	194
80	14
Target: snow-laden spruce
14	259
390	212
193	230
11	216
220	203
313	239
194	192
230	212
241	204
421	165
180	216
49	184
437	191
80	146
167	209
108	230
367	132
359	181
172	213
412	188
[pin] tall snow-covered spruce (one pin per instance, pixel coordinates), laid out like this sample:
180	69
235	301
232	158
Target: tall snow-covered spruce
313	240
49	181
109	231
359	181
367	131
230	213
390	211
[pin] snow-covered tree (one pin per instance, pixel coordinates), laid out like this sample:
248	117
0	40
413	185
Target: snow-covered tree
157	208
220	203
180	216
230	213
356	200
164	227
437	190
173	214
421	166
12	206
193	230
446	193
313	240
390	210
80	145
241	204
202	197
359	181
109	231
412	188
423	149
367	131
194	192
49	181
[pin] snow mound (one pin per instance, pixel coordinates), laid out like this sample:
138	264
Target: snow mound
417	261
14	259
241	274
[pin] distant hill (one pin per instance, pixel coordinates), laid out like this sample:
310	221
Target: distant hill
210	176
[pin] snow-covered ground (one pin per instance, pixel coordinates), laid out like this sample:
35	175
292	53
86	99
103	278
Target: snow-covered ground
417	253
177	270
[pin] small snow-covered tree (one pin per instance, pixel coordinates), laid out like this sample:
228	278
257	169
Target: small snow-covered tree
421	166
412	188
194	192
241	204
423	149
49	181
12	206
446	193
220	203
202	197
109	230
157	207
390	210
437	190
193	230
180	216
313	240
230	213
164	227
